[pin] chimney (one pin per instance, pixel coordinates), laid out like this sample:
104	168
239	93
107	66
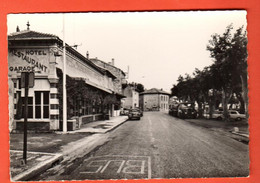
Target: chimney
17	29
113	62
87	55
28	25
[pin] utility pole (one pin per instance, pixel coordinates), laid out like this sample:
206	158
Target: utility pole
27	80
64	81
26	88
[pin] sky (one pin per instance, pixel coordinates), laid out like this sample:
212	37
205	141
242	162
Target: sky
158	47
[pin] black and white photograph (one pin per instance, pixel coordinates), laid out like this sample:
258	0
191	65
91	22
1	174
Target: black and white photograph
128	95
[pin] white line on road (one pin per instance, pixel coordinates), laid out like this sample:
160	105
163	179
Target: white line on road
150	130
149	168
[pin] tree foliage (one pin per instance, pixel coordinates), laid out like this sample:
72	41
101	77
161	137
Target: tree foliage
226	76
139	87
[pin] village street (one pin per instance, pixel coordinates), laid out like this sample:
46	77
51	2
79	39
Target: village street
158	146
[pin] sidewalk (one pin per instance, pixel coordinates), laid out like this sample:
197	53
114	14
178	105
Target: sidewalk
101	126
47	149
237	130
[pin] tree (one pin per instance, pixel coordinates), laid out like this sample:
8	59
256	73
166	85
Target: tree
221	80
229	67
140	87
174	90
239	58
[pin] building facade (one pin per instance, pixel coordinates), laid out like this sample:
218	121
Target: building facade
91	90
132	97
117	77
154	100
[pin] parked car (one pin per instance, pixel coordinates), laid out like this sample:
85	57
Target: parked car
217	115
140	110
134	114
184	110
124	111
232	114
236	115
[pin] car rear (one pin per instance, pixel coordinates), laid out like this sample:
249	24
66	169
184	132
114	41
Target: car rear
134	114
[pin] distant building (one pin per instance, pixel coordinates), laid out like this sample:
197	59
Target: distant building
119	75
132	97
154	100
117	78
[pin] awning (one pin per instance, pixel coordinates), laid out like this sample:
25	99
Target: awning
120	96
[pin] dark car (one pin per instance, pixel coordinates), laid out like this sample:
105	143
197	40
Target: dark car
141	111
134	114
124	111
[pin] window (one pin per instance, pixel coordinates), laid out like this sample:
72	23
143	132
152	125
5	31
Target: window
19	83
41	104
38	105
15	84
30	107
21	106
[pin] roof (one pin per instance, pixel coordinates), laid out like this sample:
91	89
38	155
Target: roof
33	35
95	60
29	34
155	91
109	74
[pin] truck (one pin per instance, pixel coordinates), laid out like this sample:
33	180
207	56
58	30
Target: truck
183	110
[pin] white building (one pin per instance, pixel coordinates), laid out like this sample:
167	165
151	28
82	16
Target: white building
91	91
132	97
154	100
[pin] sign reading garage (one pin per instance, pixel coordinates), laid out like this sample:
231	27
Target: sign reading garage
34	58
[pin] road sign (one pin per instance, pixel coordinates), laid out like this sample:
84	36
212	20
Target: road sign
30	79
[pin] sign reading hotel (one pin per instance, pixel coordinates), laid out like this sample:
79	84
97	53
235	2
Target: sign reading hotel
28	60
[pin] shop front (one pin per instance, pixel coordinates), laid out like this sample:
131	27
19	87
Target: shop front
42	100
91	92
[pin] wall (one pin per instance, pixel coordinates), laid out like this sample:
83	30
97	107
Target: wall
132	98
77	68
115	71
37	59
135	99
151	101
164	102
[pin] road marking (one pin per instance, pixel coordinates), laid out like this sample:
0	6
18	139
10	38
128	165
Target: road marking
99	167
149	168
129	166
123	164
150	130
119	169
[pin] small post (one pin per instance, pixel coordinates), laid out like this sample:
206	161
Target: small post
27	80
26	88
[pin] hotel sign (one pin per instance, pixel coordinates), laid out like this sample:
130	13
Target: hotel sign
28	60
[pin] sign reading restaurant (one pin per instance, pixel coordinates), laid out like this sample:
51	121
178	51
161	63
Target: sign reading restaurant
30	57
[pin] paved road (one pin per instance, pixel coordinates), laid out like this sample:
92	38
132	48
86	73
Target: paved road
158	146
